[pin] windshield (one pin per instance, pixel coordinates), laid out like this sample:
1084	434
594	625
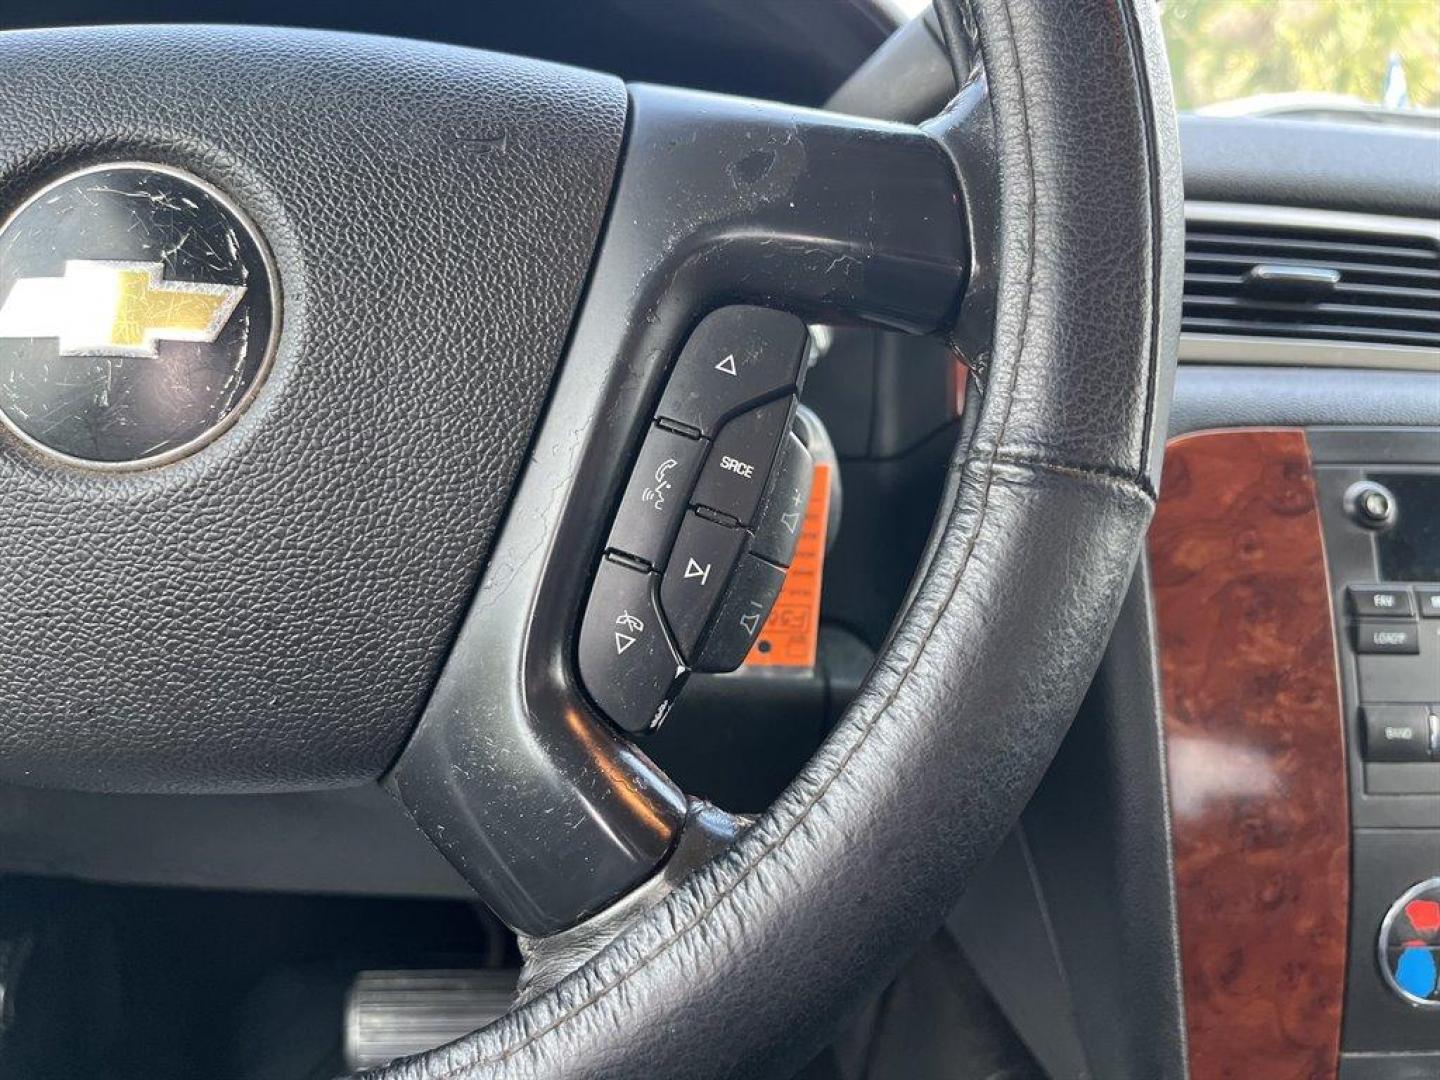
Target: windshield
1371	61
1318	59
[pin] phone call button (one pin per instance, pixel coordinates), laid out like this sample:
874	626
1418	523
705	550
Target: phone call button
656	495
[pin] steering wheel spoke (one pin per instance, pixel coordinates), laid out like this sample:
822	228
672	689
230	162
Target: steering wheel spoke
733	223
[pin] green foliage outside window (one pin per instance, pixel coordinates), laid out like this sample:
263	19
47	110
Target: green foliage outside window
1226	49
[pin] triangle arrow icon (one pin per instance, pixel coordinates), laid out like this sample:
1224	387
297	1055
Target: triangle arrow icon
791	521
622	642
727	365
694	569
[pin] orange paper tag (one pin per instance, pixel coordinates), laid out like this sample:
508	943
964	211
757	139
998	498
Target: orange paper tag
792	632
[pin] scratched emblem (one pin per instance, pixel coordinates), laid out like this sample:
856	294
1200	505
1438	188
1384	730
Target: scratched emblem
138	316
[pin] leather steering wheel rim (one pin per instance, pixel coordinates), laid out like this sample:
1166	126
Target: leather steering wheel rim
750	962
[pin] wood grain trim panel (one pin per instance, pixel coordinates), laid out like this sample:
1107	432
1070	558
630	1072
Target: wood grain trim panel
1256	756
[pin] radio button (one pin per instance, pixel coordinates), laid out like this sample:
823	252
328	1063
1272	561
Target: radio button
1383	600
1396	732
1383	636
1428	597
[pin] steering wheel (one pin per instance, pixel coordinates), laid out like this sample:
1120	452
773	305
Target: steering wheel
362	542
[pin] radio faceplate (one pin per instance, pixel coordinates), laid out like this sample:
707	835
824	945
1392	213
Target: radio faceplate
1381	560
1379	493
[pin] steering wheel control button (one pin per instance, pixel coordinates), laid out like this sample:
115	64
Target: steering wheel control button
1397	732
1381	600
138	316
739	464
627	663
1409	945
741	616
782	514
735	357
1381	636
700	567
656	496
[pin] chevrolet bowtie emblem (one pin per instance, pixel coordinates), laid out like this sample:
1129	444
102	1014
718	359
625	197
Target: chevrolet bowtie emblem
130	260
116	309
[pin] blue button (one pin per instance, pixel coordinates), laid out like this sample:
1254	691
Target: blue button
1415	971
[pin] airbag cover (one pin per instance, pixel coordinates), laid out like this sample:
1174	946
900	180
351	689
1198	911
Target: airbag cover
269	612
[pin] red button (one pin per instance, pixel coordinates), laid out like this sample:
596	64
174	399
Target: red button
1424	915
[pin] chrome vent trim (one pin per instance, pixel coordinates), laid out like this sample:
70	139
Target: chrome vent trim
1384	312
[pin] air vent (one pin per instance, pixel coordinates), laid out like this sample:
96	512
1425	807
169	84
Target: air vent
1366	286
